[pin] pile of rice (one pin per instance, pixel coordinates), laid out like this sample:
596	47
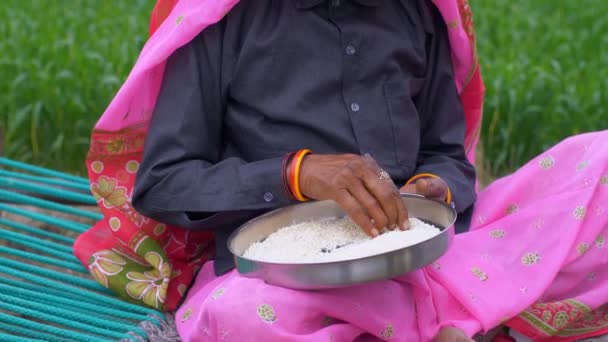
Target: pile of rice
334	239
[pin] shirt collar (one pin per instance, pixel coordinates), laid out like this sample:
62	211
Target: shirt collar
308	4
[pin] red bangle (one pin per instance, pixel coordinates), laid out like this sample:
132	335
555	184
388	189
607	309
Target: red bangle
285	176
294	174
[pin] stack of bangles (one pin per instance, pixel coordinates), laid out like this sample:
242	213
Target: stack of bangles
292	164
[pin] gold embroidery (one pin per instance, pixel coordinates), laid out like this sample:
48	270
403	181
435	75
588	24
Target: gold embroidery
546	163
181	289
114	223
453	24
512	209
159	229
579	212
600	241
266	313
179	20
132	166
115	146
97	166
561	319
483	276
582	165
388	331
530	259
187	315
497	234
582	248
604	180
220	292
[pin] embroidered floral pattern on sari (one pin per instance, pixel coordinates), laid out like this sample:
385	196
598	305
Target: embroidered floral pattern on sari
97	167
266	313
388	331
582	165
149	287
187	315
530	259
497	233
564	319
582	248
105	263
107	191
483	276
600	241
546	163
579	212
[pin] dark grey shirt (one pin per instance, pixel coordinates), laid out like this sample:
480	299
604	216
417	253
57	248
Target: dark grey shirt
339	76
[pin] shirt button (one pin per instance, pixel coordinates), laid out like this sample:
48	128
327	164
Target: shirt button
354	107
268	197
350	50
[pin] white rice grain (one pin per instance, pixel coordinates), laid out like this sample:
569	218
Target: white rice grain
333	239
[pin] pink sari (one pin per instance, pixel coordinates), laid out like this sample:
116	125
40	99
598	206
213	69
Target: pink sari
150	263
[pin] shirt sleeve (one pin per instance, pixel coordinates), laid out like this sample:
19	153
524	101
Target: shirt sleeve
442	118
183	178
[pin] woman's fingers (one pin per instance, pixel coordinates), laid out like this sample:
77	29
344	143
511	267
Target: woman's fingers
356	212
432	188
370	204
386	194
355	182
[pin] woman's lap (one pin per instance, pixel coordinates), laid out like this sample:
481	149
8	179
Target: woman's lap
534	235
222	308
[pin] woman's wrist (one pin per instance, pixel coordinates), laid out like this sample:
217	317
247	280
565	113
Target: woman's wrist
448	195
292	165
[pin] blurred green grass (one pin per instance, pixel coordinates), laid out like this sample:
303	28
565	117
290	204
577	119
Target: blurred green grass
543	61
61	62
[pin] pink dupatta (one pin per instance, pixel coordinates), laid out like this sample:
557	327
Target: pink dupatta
151	263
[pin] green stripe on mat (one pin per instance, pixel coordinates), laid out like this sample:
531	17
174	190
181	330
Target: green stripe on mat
69	225
74	266
47	191
37	231
25	199
45	180
45	293
42	171
67	317
69	334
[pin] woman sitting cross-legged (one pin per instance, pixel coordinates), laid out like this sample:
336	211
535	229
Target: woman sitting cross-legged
228	97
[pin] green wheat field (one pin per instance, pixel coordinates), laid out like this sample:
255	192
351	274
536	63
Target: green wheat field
544	63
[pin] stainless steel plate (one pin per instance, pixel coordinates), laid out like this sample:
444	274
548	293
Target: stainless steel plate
312	276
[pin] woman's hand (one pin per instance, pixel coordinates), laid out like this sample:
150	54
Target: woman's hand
435	188
354	182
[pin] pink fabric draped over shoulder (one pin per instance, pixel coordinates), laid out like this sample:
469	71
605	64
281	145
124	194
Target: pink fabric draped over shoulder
152	263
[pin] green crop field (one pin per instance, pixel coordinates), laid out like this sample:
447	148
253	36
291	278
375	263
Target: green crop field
61	62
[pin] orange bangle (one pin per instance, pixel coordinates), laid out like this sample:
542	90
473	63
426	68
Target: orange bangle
448	196
295	181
